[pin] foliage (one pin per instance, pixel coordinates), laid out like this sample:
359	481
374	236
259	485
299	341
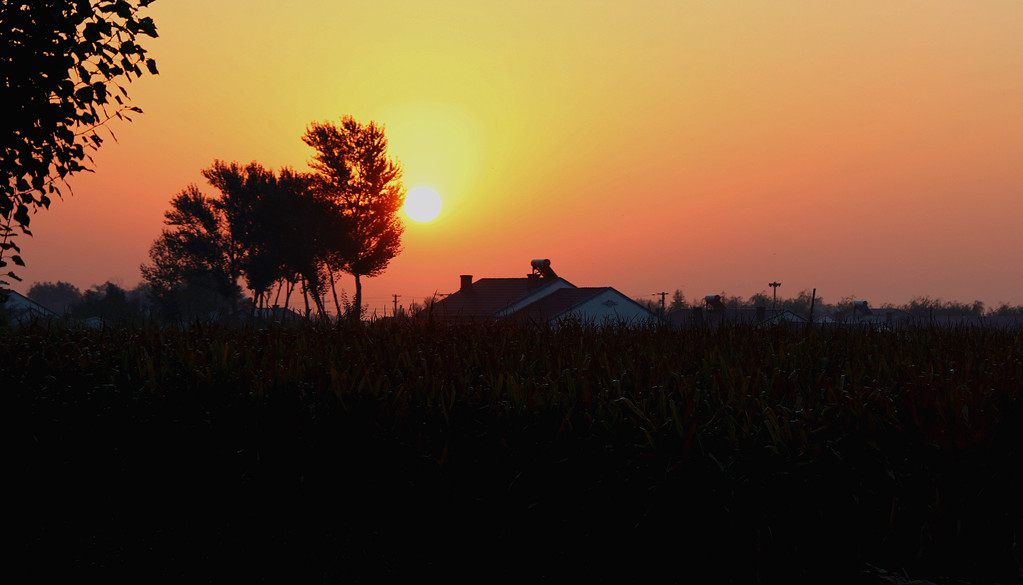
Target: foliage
272	229
109	303
761	455
353	171
678	301
1007	310
194	263
64	64
927	307
59	297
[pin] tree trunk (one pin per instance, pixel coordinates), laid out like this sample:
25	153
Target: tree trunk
318	300
287	295
333	290
357	309
305	296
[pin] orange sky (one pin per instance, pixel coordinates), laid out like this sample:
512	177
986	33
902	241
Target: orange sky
868	149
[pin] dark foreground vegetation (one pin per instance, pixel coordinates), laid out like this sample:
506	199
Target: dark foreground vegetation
368	453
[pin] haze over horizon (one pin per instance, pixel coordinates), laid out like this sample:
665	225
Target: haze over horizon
869	150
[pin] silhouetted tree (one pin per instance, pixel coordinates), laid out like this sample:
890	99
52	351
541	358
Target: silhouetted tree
58	297
248	228
108	302
270	229
279	228
1007	310
63	63
353	172
193	266
678	301
761	299
801	304
926	307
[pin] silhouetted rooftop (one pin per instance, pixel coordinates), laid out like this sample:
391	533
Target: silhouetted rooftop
487	296
558	302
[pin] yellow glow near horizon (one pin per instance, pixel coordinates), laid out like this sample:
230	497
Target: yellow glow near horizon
596	137
422	204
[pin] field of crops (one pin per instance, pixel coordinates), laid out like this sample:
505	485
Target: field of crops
366	453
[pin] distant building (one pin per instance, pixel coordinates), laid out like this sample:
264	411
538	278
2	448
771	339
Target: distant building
540	297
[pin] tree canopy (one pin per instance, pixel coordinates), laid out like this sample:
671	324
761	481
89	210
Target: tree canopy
268	229
64	64
284	229
352	171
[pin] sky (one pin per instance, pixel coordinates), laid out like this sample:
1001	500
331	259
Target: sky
867	149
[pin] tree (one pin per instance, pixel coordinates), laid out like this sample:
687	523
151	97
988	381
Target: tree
353	172
264	227
279	230
678	301
59	297
62	62
193	269
108	302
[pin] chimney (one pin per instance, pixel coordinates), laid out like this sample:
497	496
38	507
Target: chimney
466	283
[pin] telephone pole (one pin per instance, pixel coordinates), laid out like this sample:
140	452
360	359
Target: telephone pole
396	304
774	285
663	294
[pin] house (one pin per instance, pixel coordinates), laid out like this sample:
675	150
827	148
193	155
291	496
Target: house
586	304
21	309
540	297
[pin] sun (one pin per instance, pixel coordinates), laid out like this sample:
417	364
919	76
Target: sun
422	204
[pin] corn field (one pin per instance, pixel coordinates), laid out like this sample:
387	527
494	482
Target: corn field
366	453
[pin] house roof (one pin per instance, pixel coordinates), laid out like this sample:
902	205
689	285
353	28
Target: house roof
559	302
487	296
21	308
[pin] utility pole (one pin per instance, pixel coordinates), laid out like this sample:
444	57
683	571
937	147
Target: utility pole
396	304
813	299
774	285
663	294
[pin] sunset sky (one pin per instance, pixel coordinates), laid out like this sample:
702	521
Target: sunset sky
871	149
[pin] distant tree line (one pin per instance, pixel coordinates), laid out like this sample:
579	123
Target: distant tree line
921	306
107	302
285	233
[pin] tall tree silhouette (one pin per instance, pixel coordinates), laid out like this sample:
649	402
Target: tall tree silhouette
193	266
353	171
280	228
243	192
63	64
270	229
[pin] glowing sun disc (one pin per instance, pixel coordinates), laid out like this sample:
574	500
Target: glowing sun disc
422	204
